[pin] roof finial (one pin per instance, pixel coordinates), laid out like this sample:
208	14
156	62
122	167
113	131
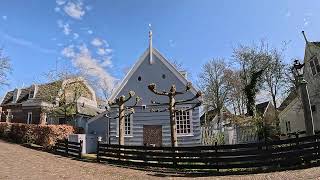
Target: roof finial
150	44
305	38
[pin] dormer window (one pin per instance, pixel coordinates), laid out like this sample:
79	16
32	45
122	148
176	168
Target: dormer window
33	91
31	94
315	67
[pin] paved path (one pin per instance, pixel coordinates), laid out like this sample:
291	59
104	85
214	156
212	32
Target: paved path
18	162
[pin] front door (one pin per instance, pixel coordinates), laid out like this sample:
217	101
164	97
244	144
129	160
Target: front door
152	135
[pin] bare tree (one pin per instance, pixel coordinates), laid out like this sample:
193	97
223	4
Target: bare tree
5	68
171	94
236	96
120	103
214	81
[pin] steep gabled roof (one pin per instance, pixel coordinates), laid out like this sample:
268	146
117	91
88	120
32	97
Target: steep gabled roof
139	62
261	108
292	95
8	98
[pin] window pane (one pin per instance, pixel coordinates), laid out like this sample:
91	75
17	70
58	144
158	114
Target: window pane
183	122
313	68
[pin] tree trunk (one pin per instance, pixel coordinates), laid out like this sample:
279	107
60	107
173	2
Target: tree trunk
173	125
276	114
121	124
42	118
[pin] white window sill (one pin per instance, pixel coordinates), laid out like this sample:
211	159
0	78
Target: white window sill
129	136
184	135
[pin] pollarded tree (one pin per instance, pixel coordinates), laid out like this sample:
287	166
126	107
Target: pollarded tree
171	106
120	104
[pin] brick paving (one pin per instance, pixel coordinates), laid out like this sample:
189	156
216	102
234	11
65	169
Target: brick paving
18	162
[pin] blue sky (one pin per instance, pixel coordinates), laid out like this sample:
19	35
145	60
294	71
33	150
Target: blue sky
107	37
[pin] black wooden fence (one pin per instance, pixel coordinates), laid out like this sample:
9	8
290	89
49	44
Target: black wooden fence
68	148
282	153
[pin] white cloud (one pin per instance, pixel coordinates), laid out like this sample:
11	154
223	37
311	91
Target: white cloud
60	2
306	19
90	32
4	17
68	52
97	42
82	59
172	43
56	9
107	63
75	35
66	29
74	9
101	51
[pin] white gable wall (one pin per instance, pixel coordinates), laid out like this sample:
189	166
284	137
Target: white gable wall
293	113
153	73
311	51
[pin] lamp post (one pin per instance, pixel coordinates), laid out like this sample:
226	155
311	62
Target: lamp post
302	84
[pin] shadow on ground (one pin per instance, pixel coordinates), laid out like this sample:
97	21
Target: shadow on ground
165	172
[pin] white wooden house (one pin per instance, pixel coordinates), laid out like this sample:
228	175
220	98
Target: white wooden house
145	127
291	116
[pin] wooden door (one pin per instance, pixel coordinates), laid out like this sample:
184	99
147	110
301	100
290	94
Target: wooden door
152	135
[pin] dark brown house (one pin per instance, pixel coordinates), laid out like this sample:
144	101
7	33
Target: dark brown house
34	104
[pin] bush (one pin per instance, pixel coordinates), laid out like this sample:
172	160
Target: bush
43	135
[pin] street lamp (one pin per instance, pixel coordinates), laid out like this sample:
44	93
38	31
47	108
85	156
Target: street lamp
302	84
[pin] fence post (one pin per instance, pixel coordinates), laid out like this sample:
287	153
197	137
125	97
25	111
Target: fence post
174	160
80	149
98	149
67	147
216	150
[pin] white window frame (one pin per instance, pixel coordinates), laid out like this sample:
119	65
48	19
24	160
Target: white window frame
131	126
314	65
190	120
9	115
288	126
29	118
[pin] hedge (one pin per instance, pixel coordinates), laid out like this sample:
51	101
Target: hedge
43	135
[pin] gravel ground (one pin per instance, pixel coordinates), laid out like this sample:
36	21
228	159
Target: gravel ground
18	162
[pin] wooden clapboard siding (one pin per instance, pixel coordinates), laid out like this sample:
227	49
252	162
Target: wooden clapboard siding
147	118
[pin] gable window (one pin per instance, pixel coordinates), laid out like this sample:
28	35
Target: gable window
127	125
183	121
29	119
315	67
288	126
31	94
9	115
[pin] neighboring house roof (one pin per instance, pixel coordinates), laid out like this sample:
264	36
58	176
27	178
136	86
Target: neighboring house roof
292	95
208	115
24	94
7	98
262	107
84	109
140	61
211	115
316	43
42	91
